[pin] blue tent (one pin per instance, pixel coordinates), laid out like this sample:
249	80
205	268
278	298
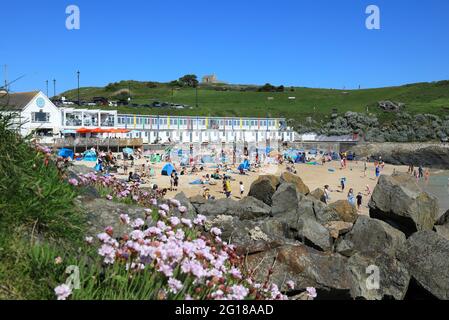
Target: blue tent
66	153
167	169
90	156
128	151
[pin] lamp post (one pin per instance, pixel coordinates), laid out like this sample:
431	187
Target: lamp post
54	87
46	83
78	73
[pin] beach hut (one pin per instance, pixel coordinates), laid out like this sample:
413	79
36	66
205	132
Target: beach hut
66	153
167	169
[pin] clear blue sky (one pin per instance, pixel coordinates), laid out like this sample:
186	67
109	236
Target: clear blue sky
314	43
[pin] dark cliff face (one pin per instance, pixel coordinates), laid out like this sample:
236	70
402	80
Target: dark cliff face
433	157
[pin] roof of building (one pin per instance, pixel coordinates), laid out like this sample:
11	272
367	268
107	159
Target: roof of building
17	101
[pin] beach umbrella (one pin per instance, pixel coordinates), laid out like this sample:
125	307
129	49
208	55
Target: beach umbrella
83	130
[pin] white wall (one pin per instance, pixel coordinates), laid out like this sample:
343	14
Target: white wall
55	121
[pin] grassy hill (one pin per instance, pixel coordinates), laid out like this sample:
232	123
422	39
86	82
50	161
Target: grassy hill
234	100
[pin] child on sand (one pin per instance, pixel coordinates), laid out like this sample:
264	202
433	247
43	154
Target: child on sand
242	189
359	201
368	190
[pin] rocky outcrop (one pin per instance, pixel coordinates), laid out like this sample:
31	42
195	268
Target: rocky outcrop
377	276
288	177
314	234
425	255
305	266
390	106
372	236
429	155
340	210
264	188
101	213
338	228
398	201
318	194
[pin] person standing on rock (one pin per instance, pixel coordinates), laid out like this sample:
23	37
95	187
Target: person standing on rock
377	171
327	196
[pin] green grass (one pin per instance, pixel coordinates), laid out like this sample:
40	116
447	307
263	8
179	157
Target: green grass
37	219
419	98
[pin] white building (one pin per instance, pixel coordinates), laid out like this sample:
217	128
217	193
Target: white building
47	120
36	113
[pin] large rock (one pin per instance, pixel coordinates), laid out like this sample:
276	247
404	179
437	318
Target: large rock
377	277
318	194
102	213
288	177
425	255
340	210
247	208
222	206
314	234
443	231
252	208
305	266
285	199
197	201
443	219
398	200
338	228
264	187
372	236
246	235
182	198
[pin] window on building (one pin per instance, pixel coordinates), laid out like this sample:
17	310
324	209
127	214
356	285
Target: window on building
167	133
40	116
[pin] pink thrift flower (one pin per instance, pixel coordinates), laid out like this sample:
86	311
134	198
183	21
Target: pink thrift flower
175	285
215	231
290	284
73	182
63	291
311	292
164	207
125	218
182	209
187	222
174	221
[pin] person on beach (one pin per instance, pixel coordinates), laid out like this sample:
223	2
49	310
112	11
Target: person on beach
377	171
227	188
175	181
351	198
365	167
342	184
420	172
327	196
172	176
426	175
359	201
368	190
242	189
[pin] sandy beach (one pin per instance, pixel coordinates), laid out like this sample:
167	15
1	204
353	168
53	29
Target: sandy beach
314	176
